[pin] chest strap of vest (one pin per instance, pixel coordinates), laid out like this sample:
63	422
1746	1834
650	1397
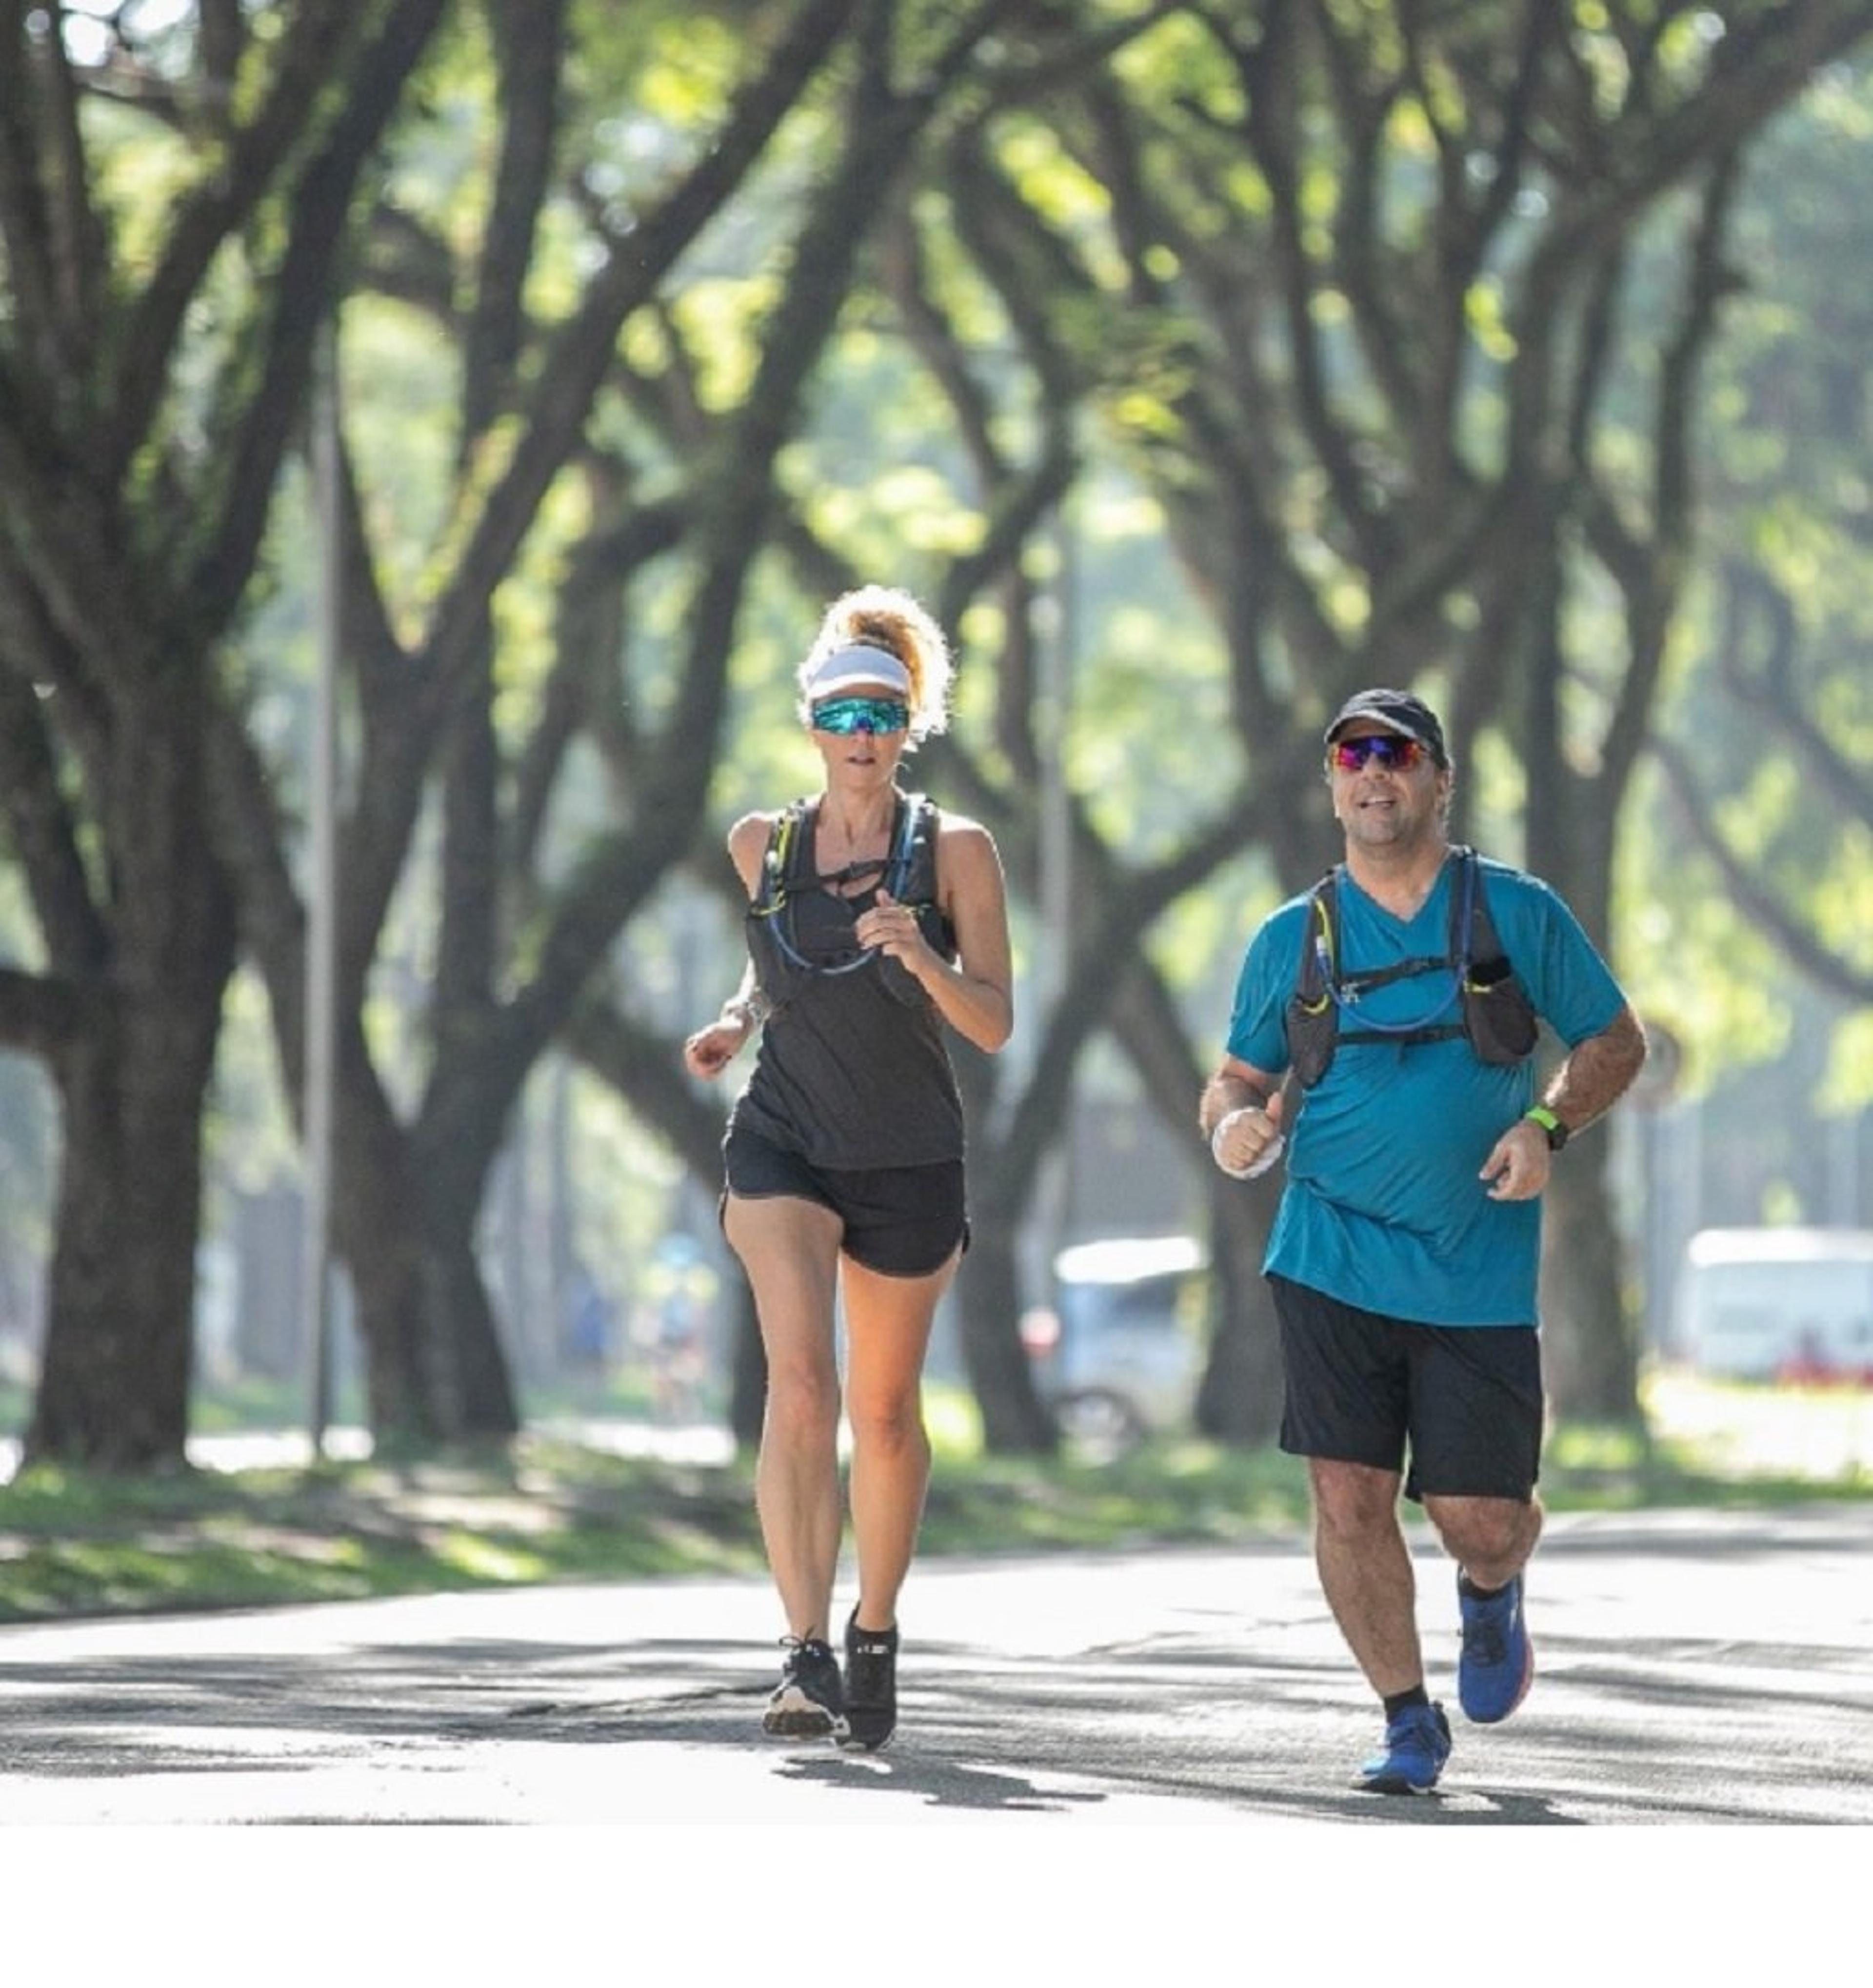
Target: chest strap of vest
1324	984
1492	1008
787	870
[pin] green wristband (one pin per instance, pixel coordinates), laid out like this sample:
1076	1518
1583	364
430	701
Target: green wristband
1552	1129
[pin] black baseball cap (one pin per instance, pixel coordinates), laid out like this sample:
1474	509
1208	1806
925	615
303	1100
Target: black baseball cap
1398	712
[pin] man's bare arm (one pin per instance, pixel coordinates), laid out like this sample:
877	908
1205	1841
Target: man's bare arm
1596	1072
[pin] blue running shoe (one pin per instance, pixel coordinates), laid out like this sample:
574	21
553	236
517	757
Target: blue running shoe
1416	1744
1498	1663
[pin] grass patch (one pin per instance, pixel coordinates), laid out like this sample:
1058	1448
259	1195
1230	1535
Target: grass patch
72	1545
1169	1491
550	1510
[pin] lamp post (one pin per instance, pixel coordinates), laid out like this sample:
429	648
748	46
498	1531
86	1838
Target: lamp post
1056	866
321	911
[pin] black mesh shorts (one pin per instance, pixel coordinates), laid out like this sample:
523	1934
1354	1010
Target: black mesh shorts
901	1222
1463	1404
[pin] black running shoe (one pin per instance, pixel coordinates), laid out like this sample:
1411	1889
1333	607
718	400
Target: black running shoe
871	1685
809	1702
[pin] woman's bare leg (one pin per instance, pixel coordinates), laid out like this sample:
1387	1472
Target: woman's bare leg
789	1249
887	1334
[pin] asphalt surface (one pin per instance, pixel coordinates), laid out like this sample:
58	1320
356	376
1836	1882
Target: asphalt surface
1693	1669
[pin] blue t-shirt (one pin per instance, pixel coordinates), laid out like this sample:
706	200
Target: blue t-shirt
1383	1207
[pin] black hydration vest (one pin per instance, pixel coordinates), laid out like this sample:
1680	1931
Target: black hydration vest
1491	1007
908	873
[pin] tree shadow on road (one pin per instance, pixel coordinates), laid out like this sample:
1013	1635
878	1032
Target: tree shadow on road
1209	1721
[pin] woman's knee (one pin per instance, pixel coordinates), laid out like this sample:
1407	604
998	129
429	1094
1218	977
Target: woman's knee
891	1424
802	1398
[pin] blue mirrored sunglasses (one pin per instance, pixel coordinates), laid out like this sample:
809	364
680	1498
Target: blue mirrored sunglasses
1397	755
844	715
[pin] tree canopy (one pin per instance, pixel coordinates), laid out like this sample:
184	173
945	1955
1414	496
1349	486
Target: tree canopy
1197	364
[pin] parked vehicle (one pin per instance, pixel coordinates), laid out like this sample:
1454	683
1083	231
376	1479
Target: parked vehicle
1765	1304
1120	1354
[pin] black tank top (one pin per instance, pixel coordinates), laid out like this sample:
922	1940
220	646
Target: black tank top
852	1070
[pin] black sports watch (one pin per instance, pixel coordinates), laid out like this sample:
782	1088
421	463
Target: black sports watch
1552	1129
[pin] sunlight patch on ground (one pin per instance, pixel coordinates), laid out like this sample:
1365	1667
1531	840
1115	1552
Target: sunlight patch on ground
1819	1431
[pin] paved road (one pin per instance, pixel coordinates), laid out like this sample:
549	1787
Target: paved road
1693	1669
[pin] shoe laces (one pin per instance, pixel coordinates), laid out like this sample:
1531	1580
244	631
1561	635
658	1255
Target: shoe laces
1485	1631
1415	1721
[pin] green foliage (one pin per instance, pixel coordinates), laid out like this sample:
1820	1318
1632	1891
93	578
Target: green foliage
1785	420
1848	1080
1689	961
397	392
1156	318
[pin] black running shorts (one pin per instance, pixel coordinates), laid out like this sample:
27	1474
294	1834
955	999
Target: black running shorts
901	1222
1462	1405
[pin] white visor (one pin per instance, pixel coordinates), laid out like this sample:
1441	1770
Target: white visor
859	663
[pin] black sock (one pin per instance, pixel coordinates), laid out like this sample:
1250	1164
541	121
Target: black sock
1403	1701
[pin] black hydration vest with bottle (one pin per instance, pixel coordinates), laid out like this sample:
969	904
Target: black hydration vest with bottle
1483	1000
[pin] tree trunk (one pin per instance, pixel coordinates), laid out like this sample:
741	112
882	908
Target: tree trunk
114	1377
113	1385
470	1385
1589	1355
375	1232
404	1226
1015	1420
1239	1401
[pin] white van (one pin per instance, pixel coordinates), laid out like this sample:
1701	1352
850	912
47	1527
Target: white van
1761	1304
1121	1351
